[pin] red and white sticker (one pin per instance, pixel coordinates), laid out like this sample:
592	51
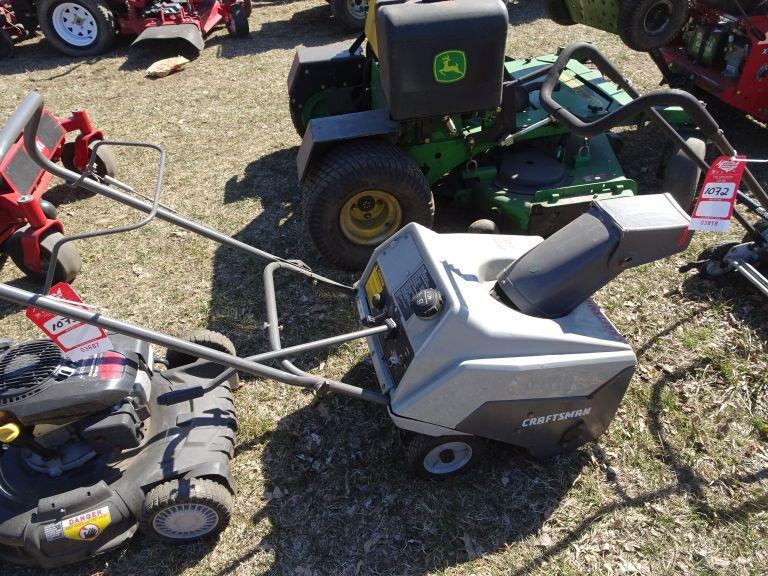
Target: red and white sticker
714	207
76	339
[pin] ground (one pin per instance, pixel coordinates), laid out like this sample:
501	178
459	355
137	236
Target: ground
676	486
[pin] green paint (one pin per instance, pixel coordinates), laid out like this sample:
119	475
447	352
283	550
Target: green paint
450	66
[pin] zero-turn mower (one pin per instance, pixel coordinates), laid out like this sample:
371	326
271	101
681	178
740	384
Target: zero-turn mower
717	46
88	27
430	107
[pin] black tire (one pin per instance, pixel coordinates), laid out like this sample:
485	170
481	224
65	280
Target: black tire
206	503
68	262
682	175
105	164
6	45
247	8
557	11
237	26
350	14
436	458
209	339
646	25
103	22
297	119
355	169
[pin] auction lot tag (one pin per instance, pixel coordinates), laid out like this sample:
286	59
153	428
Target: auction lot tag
76	339
714	208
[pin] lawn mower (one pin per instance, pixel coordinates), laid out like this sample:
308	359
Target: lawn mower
432	107
717	46
88	27
29	227
474	337
13	28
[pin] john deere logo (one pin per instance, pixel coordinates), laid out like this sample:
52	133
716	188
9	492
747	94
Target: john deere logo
450	66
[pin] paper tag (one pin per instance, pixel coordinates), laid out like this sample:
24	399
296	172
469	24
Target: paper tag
76	339
714	208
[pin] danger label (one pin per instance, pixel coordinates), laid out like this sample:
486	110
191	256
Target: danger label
714	207
83	527
76	339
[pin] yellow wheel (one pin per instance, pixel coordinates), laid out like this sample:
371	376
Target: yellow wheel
370	217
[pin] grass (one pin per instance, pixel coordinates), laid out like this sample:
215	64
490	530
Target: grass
676	486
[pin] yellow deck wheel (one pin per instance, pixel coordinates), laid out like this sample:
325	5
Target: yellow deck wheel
370	217
9	432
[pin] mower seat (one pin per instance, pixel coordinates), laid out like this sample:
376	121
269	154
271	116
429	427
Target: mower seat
557	275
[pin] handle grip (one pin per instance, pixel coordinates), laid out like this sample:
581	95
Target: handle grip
179	396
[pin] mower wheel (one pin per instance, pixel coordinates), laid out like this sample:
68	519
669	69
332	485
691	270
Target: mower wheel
77	27
349	13
646	25
68	262
183	511
237	26
209	339
360	193
6	45
438	457
682	175
105	164
557	11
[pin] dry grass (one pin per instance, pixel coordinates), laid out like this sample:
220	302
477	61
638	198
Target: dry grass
677	485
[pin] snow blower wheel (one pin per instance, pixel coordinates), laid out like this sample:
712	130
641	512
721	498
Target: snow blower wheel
186	511
105	164
440	457
358	195
68	261
646	25
349	13
237	26
209	339
77	27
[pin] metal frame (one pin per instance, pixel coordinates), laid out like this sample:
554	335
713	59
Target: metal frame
26	120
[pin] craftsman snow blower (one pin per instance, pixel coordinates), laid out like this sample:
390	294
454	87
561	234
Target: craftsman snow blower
474	338
717	46
29	227
431	107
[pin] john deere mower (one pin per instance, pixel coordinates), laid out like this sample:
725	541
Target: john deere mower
429	107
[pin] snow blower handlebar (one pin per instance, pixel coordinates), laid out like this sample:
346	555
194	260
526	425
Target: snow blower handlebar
26	119
645	104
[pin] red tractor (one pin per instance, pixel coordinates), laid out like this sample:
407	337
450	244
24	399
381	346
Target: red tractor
29	227
718	46
88	27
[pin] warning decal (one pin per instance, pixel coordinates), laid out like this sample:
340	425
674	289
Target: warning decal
87	526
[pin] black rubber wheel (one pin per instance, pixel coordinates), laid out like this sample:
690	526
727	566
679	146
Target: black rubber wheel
105	164
646	25
77	27
247	8
297	119
68	262
238	21
438	457
6	45
360	193
183	511
350	14
557	11
682	175
209	339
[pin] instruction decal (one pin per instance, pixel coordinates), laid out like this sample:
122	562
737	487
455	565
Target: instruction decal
83	527
76	339
714	207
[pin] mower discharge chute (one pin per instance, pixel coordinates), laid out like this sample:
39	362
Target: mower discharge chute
429	108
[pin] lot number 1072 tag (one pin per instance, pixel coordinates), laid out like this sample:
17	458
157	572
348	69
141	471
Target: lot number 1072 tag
714	207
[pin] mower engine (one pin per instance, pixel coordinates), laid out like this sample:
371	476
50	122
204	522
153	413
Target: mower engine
497	336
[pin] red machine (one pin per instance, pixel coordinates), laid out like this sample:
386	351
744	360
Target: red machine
29	228
723	50
88	27
11	29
